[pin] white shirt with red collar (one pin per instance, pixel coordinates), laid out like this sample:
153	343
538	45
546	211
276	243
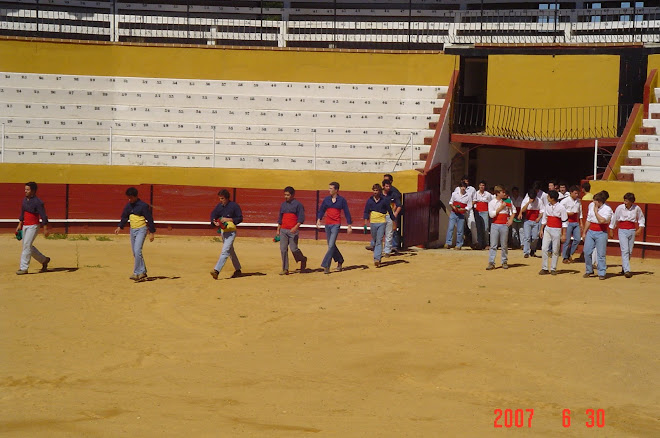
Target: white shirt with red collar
461	200
555	216
604	211
534	209
628	218
573	208
481	200
503	216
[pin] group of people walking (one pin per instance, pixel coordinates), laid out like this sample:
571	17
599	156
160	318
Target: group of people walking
381	211
552	222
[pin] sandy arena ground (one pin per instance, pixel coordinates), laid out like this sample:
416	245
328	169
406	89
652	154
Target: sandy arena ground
427	346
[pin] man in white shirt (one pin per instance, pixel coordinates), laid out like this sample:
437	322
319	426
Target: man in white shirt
573	206
531	214
502	214
553	231
516	237
599	215
630	220
460	204
480	202
563	194
469	216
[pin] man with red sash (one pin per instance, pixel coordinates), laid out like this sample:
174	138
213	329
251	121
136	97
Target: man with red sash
460	204
32	210
553	231
331	208
480	202
630	220
573	206
531	215
291	217
502	214
599	215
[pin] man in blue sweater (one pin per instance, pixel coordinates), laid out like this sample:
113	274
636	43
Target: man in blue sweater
138	214
291	217
226	215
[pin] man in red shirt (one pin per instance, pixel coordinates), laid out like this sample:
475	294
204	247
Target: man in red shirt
32	209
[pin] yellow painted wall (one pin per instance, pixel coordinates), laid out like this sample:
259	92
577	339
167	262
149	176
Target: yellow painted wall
546	81
654	63
645	193
405	181
231	64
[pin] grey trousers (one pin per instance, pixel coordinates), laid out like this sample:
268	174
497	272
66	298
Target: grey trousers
289	240
29	234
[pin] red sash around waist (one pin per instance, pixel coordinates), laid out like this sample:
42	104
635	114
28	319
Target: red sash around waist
627	225
598	227
482	206
554	222
532	215
30	218
572	217
501	219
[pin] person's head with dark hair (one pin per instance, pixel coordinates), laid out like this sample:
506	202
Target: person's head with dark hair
30	189
562	187
482	186
574	191
289	193
606	194
466	179
515	191
599	199
388	177
333	188
586	186
132	194
532	193
553	196
224	196
552	185
387	185
377	190
629	197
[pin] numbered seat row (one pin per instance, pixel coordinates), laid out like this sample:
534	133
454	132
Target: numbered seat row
202	100
228	87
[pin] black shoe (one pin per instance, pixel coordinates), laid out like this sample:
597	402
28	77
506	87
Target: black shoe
44	265
369	248
303	265
544	272
601	277
214	274
553	272
628	274
236	274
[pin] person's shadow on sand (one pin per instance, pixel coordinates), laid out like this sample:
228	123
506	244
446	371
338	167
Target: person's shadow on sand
57	270
392	262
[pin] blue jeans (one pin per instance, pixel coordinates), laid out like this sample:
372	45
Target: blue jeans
389	233
455	221
331	233
137	241
377	233
573	230
626	242
228	251
530	236
597	240
499	233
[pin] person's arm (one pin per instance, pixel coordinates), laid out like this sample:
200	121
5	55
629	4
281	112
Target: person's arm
564	224
300	213
236	215
322	210
124	219
150	222
347	213
641	221
601	219
20	219
492	210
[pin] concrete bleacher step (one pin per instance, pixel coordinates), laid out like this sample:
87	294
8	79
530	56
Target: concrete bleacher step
195	100
192	115
639	145
249	88
625	177
646	130
643	158
642	173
